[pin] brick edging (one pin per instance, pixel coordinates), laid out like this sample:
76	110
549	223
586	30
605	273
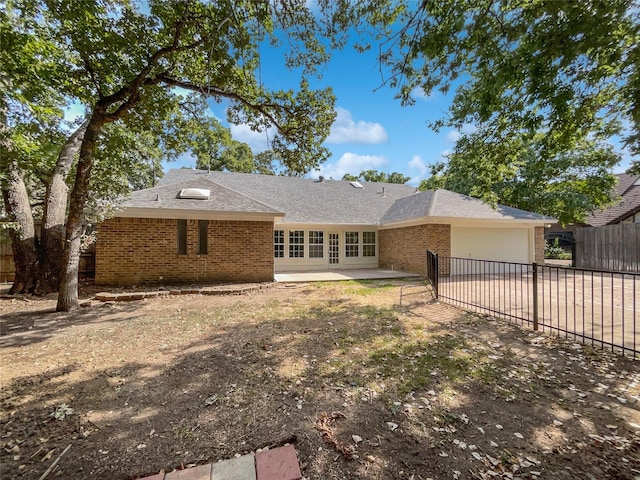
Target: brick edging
219	290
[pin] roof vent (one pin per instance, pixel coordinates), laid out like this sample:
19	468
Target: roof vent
356	185
320	179
195	193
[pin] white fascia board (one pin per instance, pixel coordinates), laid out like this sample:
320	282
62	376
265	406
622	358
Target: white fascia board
135	212
475	222
404	223
324	226
491	222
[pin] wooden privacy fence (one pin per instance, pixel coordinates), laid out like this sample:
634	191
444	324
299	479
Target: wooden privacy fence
613	247
87	267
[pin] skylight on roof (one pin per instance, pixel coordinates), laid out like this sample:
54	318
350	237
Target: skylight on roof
195	193
356	185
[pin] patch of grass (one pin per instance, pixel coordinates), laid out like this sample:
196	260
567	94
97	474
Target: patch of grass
372	290
419	364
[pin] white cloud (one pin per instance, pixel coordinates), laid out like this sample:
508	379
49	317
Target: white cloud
258	141
350	163
345	130
453	136
416	163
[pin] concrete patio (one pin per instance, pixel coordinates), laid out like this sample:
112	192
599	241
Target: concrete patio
337	275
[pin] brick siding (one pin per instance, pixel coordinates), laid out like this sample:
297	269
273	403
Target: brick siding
132	251
405	248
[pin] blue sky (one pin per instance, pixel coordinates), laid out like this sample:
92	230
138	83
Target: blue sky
372	130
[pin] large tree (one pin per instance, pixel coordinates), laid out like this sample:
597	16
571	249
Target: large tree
540	81
213	146
566	186
130	63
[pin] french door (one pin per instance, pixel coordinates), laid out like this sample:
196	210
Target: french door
334	248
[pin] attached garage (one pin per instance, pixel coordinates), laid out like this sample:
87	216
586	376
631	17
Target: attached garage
486	243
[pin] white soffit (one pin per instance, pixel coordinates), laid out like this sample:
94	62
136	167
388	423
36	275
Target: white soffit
195	193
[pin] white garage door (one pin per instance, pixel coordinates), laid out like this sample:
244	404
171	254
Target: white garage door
503	244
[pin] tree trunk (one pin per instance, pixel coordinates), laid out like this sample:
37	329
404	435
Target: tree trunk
23	239
68	291
55	210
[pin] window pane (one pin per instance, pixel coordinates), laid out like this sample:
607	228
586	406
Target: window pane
351	244
182	237
203	237
296	244
278	243
316	244
368	244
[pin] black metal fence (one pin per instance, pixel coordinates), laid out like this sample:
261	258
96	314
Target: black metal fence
595	307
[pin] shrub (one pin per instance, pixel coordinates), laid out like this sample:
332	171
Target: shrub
554	250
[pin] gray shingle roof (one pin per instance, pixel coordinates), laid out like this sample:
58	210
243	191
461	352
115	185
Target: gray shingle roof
222	199
304	200
451	204
628	204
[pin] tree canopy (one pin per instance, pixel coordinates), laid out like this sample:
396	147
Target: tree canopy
567	186
376	176
538	81
128	64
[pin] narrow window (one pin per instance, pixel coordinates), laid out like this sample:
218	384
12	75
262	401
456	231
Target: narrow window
316	244
368	244
296	244
182	237
203	237
351	244
278	243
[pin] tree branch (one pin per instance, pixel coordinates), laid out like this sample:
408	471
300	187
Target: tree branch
130	92
92	75
214	91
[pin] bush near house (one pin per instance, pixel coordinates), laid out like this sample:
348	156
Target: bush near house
553	250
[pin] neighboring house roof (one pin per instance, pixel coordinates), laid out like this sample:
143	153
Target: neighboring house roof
628	189
304	200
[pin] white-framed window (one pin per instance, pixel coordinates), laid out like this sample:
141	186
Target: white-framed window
296	243
316	244
278	243
368	244
351	244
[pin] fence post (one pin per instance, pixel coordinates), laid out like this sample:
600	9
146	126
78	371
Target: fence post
432	271
436	273
535	295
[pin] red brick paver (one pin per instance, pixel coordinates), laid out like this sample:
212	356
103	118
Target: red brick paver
278	464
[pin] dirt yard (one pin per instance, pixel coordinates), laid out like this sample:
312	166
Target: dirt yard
363	388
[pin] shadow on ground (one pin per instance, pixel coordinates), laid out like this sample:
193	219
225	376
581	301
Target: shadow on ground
363	388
